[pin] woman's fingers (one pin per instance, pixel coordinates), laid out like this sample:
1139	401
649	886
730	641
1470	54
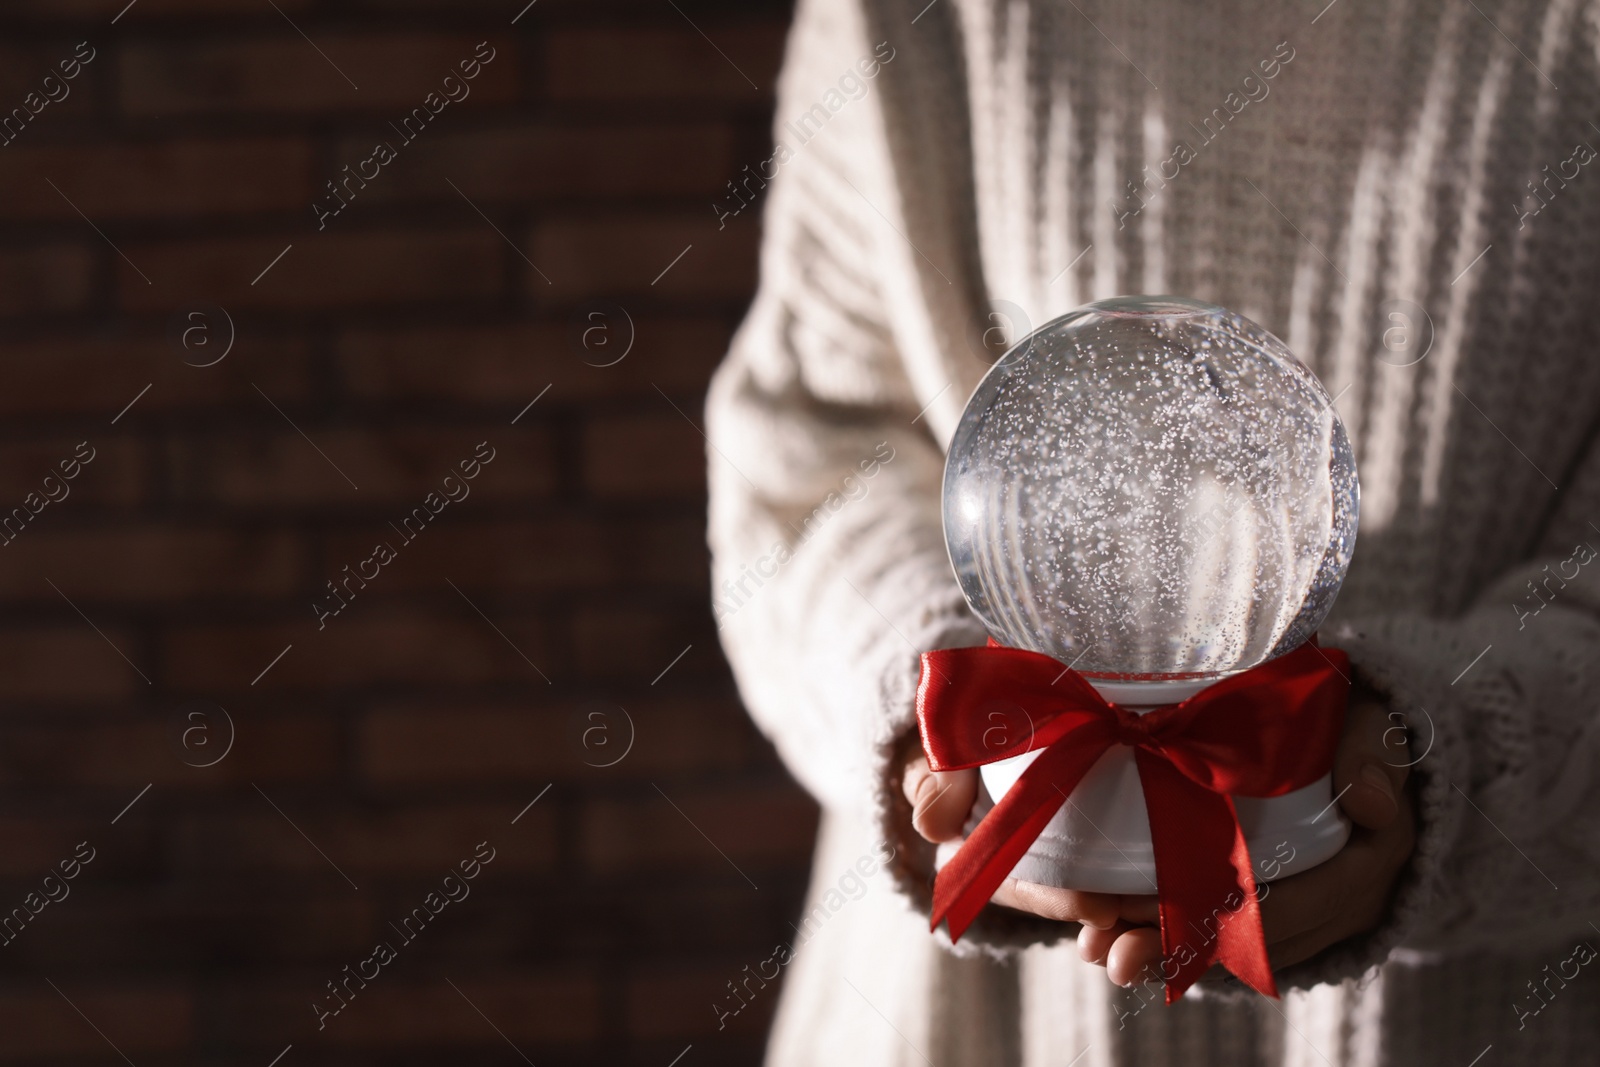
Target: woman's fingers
1094	945
1135	956
940	801
1063	905
1372	763
1302	914
1304	902
1305	913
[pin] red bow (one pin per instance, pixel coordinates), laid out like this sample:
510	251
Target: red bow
1265	732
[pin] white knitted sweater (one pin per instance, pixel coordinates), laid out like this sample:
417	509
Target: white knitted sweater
1320	169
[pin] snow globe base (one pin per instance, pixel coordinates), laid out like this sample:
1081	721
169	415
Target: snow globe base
1100	839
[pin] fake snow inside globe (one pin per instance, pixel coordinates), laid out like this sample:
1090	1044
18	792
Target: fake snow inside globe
1156	492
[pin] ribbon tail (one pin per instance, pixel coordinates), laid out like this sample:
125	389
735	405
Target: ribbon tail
1242	940
965	884
1209	911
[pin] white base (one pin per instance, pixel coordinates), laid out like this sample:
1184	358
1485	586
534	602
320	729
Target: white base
1100	839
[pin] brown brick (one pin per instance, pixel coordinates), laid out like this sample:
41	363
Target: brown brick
72	373
152	562
111	754
37	843
116	473
694	919
645	456
94	11
117	854
67	662
190	926
40	1021
283	73
267	747
545	159
368	643
625	63
46	279
413	840
408	745
625	255
477	7
751	826
499	365
397	470
683	1001
22	71
320	270
165	178
631	641
558	1009
570	553
278	746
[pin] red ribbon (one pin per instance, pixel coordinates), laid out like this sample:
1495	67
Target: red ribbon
1262	733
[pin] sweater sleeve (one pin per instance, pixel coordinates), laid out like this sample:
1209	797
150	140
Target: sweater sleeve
1503	708
829	568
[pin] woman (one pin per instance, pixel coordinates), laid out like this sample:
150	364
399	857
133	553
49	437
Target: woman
1401	193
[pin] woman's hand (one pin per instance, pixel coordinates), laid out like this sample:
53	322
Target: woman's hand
1305	913
940	804
1302	914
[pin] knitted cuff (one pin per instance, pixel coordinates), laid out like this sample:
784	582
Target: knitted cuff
1400	659
997	931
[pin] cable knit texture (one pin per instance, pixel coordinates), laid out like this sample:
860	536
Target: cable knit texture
1404	193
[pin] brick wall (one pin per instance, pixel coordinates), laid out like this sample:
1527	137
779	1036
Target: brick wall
264	794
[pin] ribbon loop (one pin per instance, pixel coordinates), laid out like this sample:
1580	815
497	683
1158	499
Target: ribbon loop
1265	732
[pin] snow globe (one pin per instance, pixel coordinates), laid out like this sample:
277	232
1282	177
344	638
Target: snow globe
1156	493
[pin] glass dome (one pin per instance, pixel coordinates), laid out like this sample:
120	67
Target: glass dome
1151	488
